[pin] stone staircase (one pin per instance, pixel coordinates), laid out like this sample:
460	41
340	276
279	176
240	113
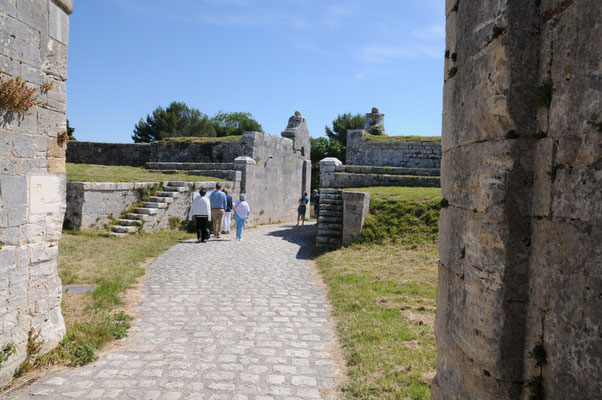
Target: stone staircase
330	221
149	210
350	176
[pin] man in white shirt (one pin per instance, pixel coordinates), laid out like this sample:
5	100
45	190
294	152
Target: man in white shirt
201	212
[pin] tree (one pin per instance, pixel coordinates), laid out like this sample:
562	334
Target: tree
321	148
342	124
234	123
177	120
70	131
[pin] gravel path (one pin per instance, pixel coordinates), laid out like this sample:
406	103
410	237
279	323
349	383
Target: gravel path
222	320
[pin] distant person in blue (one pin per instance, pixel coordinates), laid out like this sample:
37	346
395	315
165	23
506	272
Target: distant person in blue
228	210
218	209
241	213
315	198
302	208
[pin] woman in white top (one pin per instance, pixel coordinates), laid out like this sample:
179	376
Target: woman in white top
241	212
201	212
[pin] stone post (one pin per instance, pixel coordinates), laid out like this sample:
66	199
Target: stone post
32	175
327	168
355	210
243	164
521	171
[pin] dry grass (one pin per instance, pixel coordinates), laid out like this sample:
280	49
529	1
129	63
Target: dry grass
111	173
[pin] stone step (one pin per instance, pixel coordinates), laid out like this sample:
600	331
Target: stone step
179	189
331	197
124	229
331	207
329	220
137	217
147	211
168	194
328	240
329	191
330	201
177	184
331	213
183	166
332	227
129	222
150	204
117	234
329	232
366	169
160	199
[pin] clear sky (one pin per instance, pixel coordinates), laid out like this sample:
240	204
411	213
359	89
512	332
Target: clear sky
267	57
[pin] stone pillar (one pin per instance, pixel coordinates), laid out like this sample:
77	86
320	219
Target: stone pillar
520	240
32	175
328	166
243	164
355	210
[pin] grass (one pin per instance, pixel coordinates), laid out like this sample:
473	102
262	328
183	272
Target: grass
383	293
110	173
411	138
194	139
94	319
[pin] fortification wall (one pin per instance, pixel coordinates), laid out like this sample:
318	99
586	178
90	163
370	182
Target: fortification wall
33	45
520	241
274	176
361	151
132	154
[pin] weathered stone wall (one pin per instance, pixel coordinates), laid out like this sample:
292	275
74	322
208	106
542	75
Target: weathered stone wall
356	206
361	151
138	154
132	154
33	45
521	261
95	205
274	176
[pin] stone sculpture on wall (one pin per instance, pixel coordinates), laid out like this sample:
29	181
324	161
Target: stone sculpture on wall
375	121
297	130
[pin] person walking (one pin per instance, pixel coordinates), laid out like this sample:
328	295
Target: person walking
218	209
241	213
227	219
315	198
200	211
302	208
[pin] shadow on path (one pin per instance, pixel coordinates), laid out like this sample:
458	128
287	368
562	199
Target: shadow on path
303	235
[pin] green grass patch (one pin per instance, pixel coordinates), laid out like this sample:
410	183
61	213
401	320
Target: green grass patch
111	173
411	138
96	318
194	139
384	300
383	291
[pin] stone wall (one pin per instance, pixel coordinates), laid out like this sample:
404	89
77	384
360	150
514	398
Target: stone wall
361	151
95	205
132	154
33	45
520	241
356	206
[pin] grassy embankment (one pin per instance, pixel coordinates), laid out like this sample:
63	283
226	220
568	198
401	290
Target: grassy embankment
383	293
411	138
110	173
94	319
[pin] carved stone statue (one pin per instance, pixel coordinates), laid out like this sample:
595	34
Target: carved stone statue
296	129
375	121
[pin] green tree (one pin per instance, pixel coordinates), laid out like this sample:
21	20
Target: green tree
234	123
321	148
342	124
70	131
177	120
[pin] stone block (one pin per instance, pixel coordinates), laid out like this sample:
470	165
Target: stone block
14	191
355	210
59	23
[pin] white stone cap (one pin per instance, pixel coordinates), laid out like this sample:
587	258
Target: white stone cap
331	161
244	160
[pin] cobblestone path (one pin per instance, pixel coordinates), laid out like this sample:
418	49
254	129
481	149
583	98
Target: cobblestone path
222	320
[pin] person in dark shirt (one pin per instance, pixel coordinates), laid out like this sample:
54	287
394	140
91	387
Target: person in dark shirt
302	208
228	212
315	199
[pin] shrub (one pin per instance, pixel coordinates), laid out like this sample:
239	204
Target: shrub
15	96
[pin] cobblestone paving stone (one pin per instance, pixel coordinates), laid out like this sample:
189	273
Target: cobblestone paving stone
223	320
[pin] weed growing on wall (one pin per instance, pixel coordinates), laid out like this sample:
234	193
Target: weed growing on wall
16	96
7	351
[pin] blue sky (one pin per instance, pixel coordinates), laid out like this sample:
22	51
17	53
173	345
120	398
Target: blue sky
267	57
